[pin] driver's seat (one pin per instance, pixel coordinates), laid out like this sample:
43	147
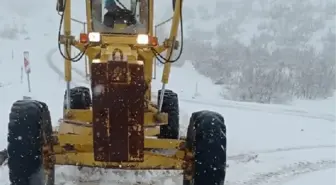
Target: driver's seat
120	16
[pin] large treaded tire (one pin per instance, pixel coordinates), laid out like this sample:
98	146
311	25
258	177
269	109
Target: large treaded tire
80	98
171	107
206	138
29	129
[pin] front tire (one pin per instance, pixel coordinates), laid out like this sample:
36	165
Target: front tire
206	139
80	98
171	107
30	144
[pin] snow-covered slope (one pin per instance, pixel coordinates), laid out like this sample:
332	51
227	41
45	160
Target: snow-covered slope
267	144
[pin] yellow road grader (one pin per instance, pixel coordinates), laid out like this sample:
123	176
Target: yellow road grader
115	124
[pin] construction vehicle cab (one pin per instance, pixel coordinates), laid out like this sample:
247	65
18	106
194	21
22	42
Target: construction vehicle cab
114	122
123	17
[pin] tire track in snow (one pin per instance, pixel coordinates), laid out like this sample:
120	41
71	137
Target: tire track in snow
286	173
55	68
299	113
79	72
250	156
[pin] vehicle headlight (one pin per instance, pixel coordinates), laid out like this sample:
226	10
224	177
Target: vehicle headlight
96	61
142	39
94	37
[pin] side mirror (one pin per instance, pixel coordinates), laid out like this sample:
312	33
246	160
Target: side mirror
60	6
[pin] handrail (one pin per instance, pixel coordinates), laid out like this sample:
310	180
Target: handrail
77	21
84	29
162	23
155	32
73	19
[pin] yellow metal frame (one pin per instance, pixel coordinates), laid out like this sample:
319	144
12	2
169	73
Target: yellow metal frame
74	140
74	146
152	118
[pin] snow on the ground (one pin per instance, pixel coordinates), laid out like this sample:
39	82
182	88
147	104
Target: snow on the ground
326	106
267	144
325	177
187	82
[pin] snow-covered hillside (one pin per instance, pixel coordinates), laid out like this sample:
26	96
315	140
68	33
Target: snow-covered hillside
267	144
249	44
247	19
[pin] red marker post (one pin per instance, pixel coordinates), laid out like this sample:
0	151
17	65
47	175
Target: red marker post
27	69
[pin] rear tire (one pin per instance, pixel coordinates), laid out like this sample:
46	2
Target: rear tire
80	98
171	107
206	138
29	131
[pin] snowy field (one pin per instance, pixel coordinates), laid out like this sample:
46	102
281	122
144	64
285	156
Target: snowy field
267	144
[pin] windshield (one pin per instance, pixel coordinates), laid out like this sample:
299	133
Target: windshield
120	16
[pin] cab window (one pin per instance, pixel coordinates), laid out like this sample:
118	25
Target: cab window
120	16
